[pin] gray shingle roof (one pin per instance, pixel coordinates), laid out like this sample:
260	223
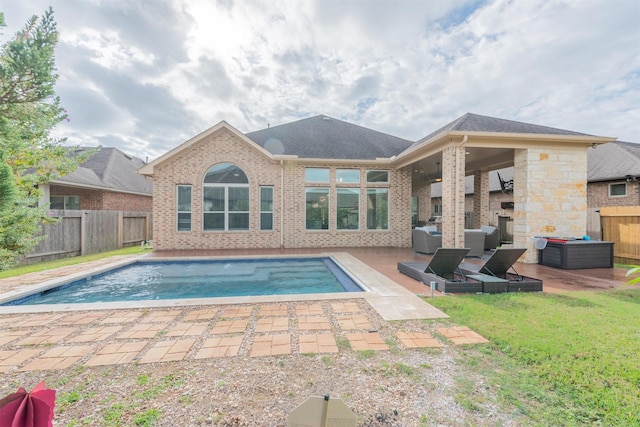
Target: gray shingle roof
322	137
612	161
112	169
477	123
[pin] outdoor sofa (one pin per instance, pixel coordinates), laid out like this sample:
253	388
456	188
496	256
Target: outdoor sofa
427	239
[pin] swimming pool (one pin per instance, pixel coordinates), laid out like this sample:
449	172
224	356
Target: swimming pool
168	280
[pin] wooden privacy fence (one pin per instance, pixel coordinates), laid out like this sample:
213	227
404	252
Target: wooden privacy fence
621	224
88	232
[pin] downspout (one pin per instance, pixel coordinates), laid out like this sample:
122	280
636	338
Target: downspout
281	204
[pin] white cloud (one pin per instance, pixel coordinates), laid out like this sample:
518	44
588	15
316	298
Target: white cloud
149	75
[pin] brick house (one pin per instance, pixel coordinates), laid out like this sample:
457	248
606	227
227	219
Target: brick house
614	175
108	180
322	182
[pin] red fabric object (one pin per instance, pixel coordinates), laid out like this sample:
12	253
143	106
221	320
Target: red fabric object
33	409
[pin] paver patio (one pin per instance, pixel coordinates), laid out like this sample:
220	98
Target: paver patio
56	340
196	333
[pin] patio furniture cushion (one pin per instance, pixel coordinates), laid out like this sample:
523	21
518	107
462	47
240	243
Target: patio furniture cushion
474	240
426	242
491	236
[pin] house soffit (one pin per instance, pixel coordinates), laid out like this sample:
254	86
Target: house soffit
488	150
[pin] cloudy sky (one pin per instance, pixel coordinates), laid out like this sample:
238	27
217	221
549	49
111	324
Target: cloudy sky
146	75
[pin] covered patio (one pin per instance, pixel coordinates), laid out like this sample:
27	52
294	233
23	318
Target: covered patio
549	185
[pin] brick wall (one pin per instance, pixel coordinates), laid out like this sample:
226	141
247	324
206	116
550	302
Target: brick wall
598	195
105	200
89	199
189	166
422	189
113	201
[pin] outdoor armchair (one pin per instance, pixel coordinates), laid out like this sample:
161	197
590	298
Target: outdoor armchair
426	242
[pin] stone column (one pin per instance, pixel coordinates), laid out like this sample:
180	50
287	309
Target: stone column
453	167
549	195
480	198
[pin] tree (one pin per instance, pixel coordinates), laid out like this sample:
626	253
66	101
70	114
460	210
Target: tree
29	109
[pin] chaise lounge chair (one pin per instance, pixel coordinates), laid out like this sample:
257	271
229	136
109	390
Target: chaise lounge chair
442	269
497	267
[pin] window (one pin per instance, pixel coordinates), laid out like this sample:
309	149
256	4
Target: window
316	175
266	208
437	209
317	212
183	206
378	208
64	202
348	176
225	198
414	211
374	176
618	190
348	208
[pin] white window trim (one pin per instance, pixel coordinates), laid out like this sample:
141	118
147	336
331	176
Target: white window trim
328	195
388	210
359	209
226	208
366	172
178	212
260	211
65	200
317	182
617	195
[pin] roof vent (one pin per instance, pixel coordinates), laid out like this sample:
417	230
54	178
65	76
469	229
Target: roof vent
325	118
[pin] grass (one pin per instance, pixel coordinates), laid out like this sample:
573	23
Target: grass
48	265
562	359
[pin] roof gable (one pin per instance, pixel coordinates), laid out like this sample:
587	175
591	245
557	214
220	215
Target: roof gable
477	123
149	167
323	137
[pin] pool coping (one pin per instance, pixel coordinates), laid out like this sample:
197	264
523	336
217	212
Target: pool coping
391	300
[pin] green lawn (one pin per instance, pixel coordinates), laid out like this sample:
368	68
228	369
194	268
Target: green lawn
48	265
562	359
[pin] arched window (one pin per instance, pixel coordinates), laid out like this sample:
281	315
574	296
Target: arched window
225	202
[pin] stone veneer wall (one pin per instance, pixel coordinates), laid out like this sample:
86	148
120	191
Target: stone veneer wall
190	165
550	195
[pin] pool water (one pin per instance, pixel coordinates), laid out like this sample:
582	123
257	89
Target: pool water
157	280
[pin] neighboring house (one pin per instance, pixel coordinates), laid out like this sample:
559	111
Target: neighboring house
322	182
108	180
614	175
